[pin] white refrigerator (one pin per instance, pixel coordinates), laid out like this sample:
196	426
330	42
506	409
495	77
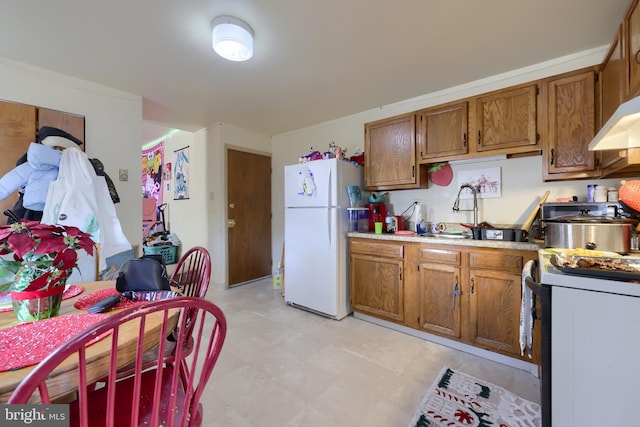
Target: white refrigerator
315	235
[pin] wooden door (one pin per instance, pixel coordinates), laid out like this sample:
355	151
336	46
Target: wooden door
17	131
249	216
71	123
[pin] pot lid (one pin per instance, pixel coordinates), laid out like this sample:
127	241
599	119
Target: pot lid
590	219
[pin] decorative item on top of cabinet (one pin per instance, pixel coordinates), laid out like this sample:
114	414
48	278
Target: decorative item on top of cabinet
505	121
442	131
390	155
570	100
377	278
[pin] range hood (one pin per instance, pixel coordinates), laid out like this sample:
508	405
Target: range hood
622	130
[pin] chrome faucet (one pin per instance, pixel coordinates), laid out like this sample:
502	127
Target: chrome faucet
456	204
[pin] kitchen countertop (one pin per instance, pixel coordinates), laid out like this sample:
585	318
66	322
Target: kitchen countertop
525	246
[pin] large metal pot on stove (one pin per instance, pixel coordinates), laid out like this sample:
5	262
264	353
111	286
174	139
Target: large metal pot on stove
603	233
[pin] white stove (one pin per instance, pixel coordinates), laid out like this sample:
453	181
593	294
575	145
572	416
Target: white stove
594	347
549	275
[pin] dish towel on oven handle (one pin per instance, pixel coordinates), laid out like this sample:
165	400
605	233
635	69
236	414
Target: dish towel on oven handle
526	312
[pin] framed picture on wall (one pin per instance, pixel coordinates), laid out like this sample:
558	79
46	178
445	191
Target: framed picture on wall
488	182
181	174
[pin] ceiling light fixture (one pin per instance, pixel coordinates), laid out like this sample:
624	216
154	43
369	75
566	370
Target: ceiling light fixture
232	38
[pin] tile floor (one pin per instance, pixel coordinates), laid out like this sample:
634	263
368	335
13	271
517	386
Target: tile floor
282	366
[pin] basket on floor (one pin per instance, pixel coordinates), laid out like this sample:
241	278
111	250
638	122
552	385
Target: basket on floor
168	252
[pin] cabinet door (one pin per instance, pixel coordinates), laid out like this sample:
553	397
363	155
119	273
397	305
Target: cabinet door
507	119
571	126
17	131
494	312
390	153
611	92
632	20
440	295
443	131
377	286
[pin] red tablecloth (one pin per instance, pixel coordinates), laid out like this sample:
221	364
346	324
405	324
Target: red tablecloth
86	301
28	343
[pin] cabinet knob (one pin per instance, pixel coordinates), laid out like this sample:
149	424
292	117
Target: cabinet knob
637	56
473	285
553	156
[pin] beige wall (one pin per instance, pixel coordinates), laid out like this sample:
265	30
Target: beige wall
522	184
113	126
201	220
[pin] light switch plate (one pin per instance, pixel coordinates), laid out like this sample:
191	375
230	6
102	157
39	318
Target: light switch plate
123	174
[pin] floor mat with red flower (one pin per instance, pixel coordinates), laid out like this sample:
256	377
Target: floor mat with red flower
460	400
26	344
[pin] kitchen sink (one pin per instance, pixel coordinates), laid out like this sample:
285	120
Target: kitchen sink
446	235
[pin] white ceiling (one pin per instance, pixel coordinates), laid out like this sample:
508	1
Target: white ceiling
313	60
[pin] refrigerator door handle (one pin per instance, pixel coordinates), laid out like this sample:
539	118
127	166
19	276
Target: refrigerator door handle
329	226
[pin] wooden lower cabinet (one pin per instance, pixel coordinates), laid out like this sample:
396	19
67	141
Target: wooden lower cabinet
463	293
439	291
377	283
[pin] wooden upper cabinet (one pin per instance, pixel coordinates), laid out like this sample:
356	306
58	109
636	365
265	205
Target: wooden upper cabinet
506	119
631	24
390	154
611	80
442	131
612	90
570	102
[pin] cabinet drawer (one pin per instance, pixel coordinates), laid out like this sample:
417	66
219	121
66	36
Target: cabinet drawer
389	250
445	256
496	261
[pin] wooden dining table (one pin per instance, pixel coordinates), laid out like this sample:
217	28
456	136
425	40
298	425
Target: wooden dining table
63	380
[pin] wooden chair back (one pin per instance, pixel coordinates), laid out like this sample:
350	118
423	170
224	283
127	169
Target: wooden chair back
162	395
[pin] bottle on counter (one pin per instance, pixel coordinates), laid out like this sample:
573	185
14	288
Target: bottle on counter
377	219
391	223
612	194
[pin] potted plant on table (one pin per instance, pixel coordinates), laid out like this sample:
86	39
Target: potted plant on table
43	258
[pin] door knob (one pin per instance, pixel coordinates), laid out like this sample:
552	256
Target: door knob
231	223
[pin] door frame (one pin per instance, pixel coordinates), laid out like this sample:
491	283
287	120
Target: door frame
226	148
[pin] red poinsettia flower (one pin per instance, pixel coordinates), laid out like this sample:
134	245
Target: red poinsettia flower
49	251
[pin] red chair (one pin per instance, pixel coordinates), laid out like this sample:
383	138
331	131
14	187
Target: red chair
157	396
192	276
193	272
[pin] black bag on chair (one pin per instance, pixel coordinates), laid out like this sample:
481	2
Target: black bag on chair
147	273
